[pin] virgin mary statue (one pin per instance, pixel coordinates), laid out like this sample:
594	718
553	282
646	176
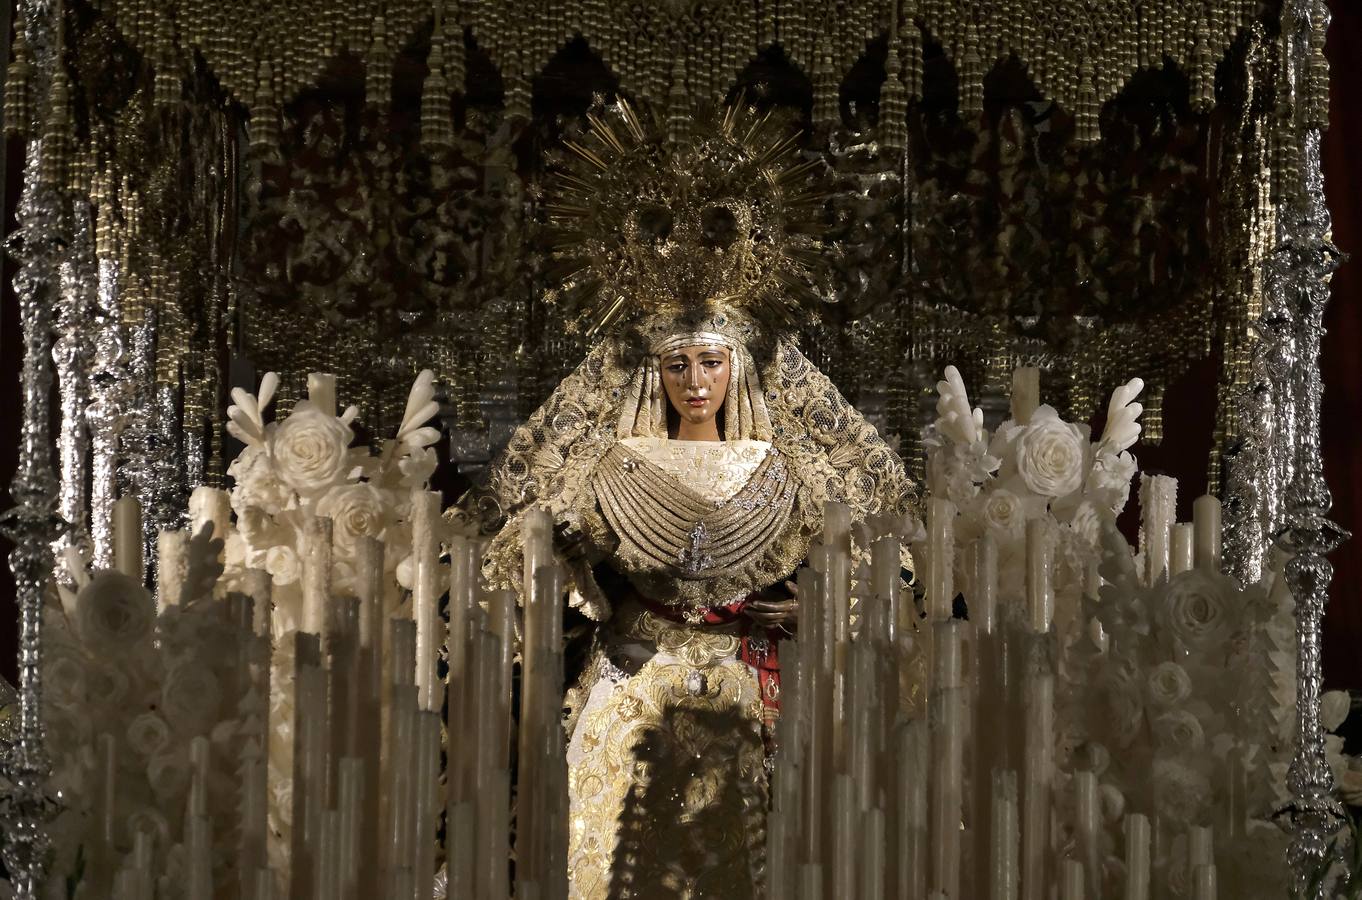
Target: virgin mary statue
685	463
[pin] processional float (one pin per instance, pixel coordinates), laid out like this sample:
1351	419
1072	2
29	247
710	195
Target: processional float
98	286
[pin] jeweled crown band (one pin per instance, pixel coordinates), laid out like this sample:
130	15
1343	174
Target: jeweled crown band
691	339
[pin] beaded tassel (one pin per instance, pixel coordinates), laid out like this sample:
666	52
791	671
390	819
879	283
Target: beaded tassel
264	125
378	79
678	104
18	102
437	131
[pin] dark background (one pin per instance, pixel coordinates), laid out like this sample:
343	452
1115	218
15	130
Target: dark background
1189	411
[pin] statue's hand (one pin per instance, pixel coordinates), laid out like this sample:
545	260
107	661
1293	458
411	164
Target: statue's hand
774	607
570	545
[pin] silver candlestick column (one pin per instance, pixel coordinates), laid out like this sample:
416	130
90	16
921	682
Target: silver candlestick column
33	523
1300	269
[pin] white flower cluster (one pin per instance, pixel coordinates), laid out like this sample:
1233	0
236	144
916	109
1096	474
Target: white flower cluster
1180	707
1046	469
126	692
304	465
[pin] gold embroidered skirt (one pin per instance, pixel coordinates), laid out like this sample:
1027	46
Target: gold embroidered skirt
666	775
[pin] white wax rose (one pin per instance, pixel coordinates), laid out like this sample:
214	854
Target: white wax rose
106	685
1179	731
1169	685
64	676
168	775
148	734
1181	793
1002	510
1120	707
1196	609
190	697
1051	455
1109	482
283	565
1333	709
310	449
114	612
356	511
257	482
1112	803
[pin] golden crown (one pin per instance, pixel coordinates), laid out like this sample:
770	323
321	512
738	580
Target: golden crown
724	222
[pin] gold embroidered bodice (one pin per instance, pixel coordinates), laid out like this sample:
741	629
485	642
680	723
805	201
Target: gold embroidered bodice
692	522
714	470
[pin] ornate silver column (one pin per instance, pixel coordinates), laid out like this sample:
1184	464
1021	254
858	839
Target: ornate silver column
33	523
1299	272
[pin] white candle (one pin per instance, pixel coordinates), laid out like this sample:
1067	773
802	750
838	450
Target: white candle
837	540
1005	848
425	542
1180	557
1203	883
316	560
983	605
872	850
210	506
172	568
1025	394
810	881
948	734
369	587
425	816
462	837
350	806
127	536
1089	823
913	808
1137	857
885	568
940	562
1158	509
846	836
1040	593
1038	770
321	390
1206	523
1071	880
1200	846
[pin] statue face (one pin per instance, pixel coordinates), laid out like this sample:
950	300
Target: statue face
696	380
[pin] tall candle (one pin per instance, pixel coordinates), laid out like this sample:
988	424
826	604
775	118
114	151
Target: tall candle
846	836
1071	880
1040	593
837	540
172	567
885	568
940	562
316	553
1158	508
983	604
1025	393
425	507
127	536
210	506
1089	825
1180	557
1137	857
426	769
948	719
350	806
462	836
1005	874
913	809
872	855
1206	523
1200	846
321	390
369	588
1038	770
1203	882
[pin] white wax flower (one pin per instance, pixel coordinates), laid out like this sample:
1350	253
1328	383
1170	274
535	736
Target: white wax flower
1002	510
283	565
1119	707
107	685
150	821
310	449
1112	803
1051	455
168	775
114	612
1179	731
257	483
1333	709
1196	609
1180	791
148	734
356	511
64	676
190	697
1168	684
1109	481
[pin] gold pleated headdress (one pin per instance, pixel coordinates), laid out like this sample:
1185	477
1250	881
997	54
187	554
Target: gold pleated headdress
712	241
